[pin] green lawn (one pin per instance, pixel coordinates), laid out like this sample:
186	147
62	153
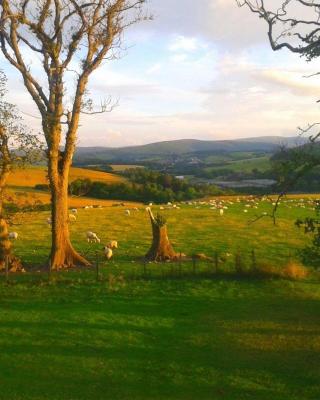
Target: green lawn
199	339
196	337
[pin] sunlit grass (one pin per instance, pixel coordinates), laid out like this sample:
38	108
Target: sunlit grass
160	337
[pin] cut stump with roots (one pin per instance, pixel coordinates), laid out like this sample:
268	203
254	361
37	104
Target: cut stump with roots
161	248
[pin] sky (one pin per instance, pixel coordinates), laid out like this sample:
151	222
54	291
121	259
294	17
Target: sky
201	69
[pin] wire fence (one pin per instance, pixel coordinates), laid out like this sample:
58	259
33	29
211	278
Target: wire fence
196	266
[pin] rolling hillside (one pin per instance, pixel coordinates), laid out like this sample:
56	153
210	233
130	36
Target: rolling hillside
29	177
179	148
22	182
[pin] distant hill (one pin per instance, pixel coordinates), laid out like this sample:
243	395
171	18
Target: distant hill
22	182
179	148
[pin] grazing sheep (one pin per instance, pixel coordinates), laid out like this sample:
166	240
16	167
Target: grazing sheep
113	244
72	218
74	211
108	252
92	237
221	211
49	221
127	212
13	235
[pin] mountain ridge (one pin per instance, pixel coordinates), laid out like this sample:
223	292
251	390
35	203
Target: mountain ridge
182	147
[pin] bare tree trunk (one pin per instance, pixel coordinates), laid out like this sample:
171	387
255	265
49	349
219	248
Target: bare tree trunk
63	255
161	248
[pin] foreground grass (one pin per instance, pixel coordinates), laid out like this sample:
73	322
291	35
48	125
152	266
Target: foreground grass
125	337
167	339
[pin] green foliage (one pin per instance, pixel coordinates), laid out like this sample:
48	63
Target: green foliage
146	186
295	167
160	220
42	186
80	187
310	255
23	145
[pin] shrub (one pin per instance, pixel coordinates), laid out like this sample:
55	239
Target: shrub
42	186
294	270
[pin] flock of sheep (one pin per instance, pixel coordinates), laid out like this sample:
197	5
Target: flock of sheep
219	204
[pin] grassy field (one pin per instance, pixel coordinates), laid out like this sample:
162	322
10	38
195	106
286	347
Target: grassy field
262	163
31	176
200	336
193	229
199	339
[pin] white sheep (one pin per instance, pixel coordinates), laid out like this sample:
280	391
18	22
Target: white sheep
49	221
108	252
74	211
128	213
13	235
113	244
92	237
72	218
221	211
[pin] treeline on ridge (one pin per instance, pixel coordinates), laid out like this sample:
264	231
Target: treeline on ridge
144	186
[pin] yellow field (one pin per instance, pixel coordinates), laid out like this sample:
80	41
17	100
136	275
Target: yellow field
121	167
22	182
29	177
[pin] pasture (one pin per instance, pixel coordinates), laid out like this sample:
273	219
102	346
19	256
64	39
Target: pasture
129	336
194	228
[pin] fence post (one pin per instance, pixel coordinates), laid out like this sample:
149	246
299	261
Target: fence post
7	268
238	262
216	262
49	269
97	267
253	260
194	261
144	267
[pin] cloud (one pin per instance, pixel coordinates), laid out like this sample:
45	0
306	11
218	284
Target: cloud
183	43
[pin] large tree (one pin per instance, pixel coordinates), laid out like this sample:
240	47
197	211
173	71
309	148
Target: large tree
67	36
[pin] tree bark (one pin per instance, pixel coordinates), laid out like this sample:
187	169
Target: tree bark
161	248
63	255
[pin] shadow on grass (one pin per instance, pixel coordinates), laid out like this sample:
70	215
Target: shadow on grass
189	346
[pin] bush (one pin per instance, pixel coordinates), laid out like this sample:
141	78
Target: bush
42	186
294	270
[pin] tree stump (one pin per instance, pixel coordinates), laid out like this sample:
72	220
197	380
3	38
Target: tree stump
161	248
